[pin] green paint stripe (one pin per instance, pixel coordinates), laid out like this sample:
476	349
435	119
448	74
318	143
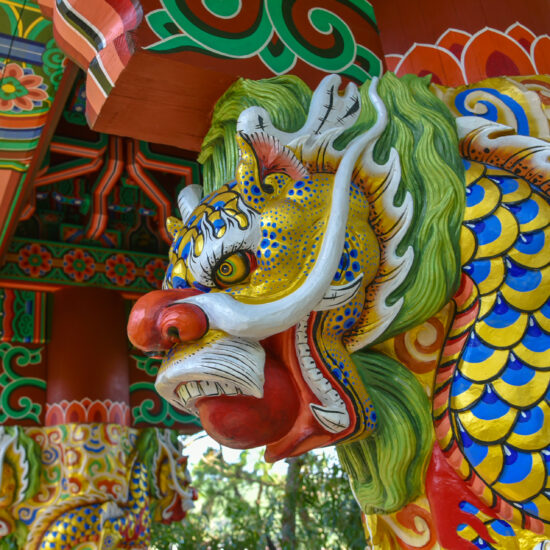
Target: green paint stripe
23	145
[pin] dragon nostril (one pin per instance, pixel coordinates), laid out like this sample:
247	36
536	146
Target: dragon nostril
173	333
161	319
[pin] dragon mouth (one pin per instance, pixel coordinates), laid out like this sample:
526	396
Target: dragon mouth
275	394
190	392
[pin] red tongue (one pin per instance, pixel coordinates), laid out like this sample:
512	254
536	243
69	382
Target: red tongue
243	422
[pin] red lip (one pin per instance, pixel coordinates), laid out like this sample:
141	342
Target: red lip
281	420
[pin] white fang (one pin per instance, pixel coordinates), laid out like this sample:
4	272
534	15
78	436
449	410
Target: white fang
332	413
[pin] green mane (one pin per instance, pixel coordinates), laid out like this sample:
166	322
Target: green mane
387	469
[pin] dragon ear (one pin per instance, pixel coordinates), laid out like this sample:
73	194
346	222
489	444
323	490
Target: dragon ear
265	167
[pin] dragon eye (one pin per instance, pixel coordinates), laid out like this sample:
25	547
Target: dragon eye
234	269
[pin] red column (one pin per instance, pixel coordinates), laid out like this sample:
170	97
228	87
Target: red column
87	358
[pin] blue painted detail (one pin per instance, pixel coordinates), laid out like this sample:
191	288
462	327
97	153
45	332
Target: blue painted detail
179	282
492	111
529	421
474	452
517	373
476	351
218	224
20	134
177	243
21	49
535	338
465	506
503	528
531	508
517	465
530	243
487	230
490	406
481	544
459	385
507	185
525	211
479	270
474	195
200	287
502	315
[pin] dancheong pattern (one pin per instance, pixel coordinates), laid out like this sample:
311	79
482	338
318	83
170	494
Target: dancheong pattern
58	263
31	65
22	316
278	33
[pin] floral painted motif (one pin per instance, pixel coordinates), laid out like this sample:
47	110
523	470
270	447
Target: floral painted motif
458	57
87	411
154	272
120	269
78	265
35	260
21	89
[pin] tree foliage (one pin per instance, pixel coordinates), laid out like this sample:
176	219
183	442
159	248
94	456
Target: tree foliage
247	506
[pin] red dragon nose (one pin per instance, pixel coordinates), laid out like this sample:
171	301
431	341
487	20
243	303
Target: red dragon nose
156	323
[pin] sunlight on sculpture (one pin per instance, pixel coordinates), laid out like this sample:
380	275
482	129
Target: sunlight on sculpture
370	269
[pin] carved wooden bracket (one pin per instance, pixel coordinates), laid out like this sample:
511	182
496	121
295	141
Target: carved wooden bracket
155	68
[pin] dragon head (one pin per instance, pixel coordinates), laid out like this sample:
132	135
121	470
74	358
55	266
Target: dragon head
279	276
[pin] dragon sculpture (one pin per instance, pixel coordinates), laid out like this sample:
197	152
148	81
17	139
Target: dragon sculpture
104	498
370	269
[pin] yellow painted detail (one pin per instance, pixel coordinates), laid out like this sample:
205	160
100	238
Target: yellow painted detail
537	359
491	466
467	398
491	199
534	260
488	430
486	370
538	440
505	336
541	219
530	300
487	303
526	394
507	237
495	277
467	244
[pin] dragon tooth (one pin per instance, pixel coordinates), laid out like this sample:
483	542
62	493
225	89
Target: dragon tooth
332	420
194	388
183	393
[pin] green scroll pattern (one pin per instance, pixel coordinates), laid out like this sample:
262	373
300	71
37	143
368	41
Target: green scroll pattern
273	36
155	410
21	316
10	381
